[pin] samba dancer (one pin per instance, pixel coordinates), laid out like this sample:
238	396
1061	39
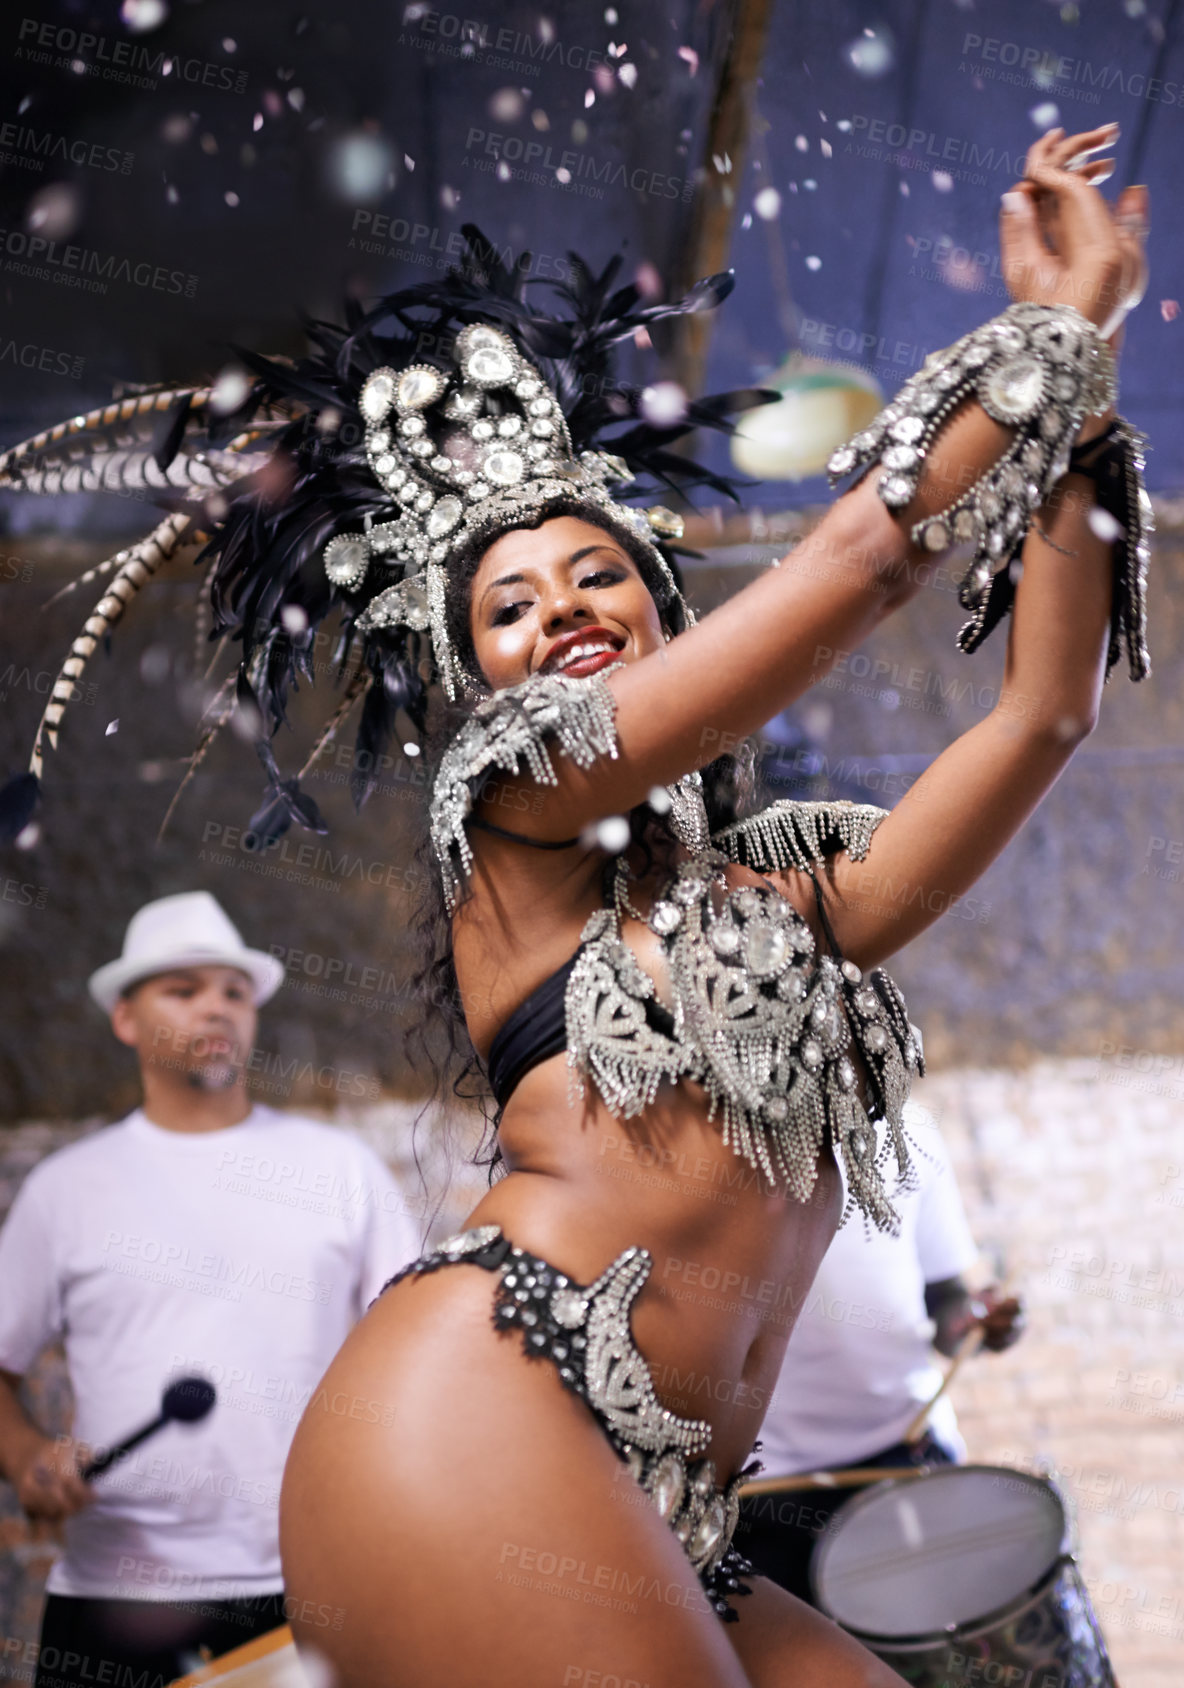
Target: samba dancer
724	999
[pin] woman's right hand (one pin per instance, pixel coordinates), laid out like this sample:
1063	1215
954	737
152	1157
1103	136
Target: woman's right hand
1060	243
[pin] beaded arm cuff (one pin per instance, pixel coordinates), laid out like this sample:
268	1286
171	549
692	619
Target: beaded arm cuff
1040	369
789	834
507	730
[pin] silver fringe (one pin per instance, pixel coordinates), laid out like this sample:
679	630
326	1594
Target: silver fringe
509	729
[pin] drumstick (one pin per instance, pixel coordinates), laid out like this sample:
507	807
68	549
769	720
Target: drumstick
970	1344
851	1477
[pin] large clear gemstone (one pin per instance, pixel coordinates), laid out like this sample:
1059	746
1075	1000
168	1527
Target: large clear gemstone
668	1485
444	517
490	366
568	1308
377	395
725	939
936	536
665	917
710	1531
897	490
900	457
418	387
841	461
346	560
503	468
908	430
768	948
1013	391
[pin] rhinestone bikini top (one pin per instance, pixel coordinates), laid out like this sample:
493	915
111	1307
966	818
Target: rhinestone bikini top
766	1024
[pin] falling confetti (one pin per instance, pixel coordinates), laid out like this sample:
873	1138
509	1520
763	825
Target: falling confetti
295	619
231	198
691	57
628	75
562	174
1104	525
942	181
813	263
1046	115
826	149
871	54
140	15
801	143
767	204
611	834
55	210
507	105
1169	309
359	166
410	749
112	727
648	281
663	404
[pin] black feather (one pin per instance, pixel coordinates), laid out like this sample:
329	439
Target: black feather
18	803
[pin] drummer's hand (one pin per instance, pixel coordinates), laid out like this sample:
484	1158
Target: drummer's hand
1060	243
1003	1319
47	1481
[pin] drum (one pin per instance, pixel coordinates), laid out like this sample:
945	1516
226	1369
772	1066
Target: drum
270	1661
963	1577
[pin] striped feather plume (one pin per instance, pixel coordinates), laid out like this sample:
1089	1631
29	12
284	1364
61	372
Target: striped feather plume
290	472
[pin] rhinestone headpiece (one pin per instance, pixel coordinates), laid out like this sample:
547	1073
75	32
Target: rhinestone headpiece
468	453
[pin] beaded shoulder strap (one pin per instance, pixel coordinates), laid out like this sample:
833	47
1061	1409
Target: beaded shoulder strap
797	835
511	731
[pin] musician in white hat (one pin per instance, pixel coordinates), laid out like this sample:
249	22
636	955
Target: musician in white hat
203	1236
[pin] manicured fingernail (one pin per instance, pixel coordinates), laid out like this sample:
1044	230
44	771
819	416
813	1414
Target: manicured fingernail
1012	201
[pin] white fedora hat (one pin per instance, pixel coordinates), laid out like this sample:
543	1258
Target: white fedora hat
188	930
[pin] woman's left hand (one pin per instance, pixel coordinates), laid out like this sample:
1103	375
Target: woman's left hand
1055	152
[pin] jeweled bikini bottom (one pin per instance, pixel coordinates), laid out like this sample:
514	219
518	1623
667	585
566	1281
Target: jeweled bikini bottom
586	1334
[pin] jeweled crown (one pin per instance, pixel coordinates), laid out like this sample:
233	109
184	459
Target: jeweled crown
467	453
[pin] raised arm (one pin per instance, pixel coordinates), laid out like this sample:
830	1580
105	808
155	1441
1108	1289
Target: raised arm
677	708
973	799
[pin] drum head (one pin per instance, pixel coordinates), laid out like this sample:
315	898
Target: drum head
915	1555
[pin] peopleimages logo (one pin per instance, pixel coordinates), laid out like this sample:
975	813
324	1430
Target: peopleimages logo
37	256
131	62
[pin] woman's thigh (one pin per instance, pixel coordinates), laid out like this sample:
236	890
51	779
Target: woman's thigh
451	1515
783	1643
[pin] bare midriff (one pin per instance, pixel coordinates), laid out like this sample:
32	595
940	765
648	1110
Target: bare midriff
733	1260
733	1263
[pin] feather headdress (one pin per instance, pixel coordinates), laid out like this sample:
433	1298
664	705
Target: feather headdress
353	481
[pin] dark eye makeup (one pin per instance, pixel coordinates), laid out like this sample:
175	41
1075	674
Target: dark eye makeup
507	614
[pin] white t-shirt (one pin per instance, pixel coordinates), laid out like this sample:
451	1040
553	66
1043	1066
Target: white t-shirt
242	1255
860	1361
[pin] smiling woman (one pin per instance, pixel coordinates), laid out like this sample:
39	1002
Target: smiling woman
676	995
